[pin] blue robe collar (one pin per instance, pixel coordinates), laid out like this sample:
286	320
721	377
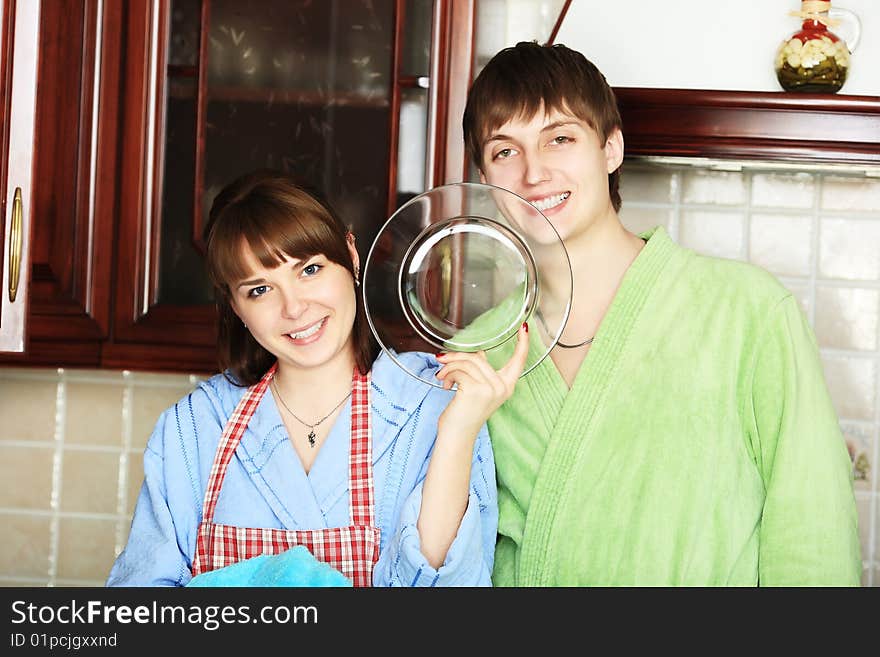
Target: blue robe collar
271	463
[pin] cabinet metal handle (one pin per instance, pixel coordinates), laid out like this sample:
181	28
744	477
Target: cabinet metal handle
15	239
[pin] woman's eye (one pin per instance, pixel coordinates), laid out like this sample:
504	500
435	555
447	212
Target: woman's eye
312	269
258	291
503	153
562	139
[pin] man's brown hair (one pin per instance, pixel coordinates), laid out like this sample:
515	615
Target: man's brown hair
273	215
521	80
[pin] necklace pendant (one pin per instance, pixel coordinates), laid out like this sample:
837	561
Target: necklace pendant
311	438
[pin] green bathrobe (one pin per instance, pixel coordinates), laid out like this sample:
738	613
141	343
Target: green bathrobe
697	445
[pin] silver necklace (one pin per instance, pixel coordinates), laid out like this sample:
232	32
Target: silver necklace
311	437
560	343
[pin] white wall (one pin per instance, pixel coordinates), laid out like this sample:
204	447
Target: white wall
706	44
502	23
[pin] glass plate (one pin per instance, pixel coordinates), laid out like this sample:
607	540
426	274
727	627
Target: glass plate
460	268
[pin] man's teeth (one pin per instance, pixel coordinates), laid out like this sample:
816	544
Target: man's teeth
309	331
550	201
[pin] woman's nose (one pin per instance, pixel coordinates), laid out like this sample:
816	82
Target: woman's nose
293	304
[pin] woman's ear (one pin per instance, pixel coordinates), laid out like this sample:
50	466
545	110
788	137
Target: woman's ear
355	259
233	306
614	150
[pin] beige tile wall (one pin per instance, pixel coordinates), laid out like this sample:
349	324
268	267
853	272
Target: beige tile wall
71	444
819	233
71	440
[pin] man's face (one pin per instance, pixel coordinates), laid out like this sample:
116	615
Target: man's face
557	163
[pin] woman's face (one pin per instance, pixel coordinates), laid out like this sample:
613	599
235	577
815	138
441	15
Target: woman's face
301	311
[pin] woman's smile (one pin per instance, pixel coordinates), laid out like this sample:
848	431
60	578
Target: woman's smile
309	334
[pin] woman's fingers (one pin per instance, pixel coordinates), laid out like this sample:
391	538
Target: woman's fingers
477	360
512	369
504	380
478	380
454	372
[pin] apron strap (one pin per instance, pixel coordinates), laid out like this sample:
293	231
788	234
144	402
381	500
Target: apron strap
232	433
360	460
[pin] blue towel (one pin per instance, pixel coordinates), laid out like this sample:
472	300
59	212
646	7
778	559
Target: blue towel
293	567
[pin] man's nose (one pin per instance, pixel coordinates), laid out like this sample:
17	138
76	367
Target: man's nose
536	170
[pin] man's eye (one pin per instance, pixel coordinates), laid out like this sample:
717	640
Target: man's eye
503	153
562	139
258	291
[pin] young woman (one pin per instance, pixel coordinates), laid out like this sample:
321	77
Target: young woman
305	439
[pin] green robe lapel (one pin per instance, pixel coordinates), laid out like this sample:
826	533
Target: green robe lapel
571	430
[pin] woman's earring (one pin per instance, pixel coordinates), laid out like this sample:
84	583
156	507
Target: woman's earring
357	277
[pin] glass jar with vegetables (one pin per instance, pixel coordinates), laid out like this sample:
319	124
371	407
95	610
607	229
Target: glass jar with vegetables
815	59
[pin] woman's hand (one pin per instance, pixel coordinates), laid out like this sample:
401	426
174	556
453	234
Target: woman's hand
481	389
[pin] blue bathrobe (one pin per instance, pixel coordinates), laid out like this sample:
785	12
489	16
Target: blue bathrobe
266	485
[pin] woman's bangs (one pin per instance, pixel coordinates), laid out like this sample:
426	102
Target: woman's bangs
272	236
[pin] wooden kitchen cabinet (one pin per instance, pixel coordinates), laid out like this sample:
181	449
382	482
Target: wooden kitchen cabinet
19	27
146	108
137	125
768	126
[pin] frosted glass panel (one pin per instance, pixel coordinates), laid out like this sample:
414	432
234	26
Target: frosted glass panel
303	87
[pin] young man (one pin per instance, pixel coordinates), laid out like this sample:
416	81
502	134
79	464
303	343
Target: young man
681	432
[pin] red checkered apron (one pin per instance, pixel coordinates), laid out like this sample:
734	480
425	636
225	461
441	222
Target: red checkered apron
352	550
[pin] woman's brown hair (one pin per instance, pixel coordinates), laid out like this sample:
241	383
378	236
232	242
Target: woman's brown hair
518	81
275	215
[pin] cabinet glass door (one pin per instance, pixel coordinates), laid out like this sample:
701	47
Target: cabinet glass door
302	87
213	89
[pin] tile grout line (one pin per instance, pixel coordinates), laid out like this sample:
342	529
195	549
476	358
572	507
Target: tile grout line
57	471
122	479
68	446
40	513
97	377
814	247
746	250
18	581
874	530
874	536
839	283
779	211
675	220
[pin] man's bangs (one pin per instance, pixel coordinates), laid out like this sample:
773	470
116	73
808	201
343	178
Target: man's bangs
511	99
519	101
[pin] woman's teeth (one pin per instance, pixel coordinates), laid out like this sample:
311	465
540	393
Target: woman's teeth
308	332
551	201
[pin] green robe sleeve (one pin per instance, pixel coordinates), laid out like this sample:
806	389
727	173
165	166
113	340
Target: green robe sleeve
809	530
